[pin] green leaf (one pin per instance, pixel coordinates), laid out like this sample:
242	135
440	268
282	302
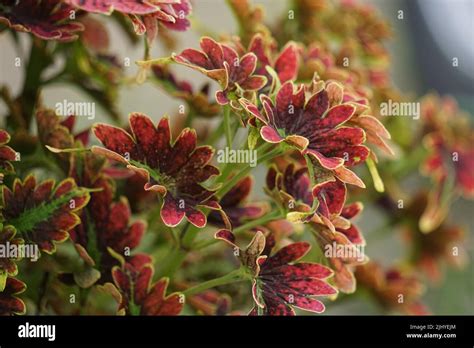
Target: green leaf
116	255
30	218
253	137
50	213
298	217
86	277
378	183
3	280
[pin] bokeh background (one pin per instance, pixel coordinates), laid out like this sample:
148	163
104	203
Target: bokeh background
425	41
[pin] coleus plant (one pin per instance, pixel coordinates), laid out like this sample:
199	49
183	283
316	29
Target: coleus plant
314	125
277	284
7	154
10	303
146	16
43	213
48	20
137	211
175	171
221	62
138	296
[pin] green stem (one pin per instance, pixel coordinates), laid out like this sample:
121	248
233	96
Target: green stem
172	262
184	229
204	244
309	164
227	126
146	54
260	298
133	308
227	186
56	78
245	227
175	235
260	221
227	168
83	294
177	255
216	134
235	276
37	62
189	118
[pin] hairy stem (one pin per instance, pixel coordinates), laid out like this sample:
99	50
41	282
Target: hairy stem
235	276
257	222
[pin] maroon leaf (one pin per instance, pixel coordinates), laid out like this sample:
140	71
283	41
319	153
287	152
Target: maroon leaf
285	63
8	267
314	125
222	63
387	285
108	6
174	171
281	285
47	19
235	205
43	213
139	297
7	154
10	304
